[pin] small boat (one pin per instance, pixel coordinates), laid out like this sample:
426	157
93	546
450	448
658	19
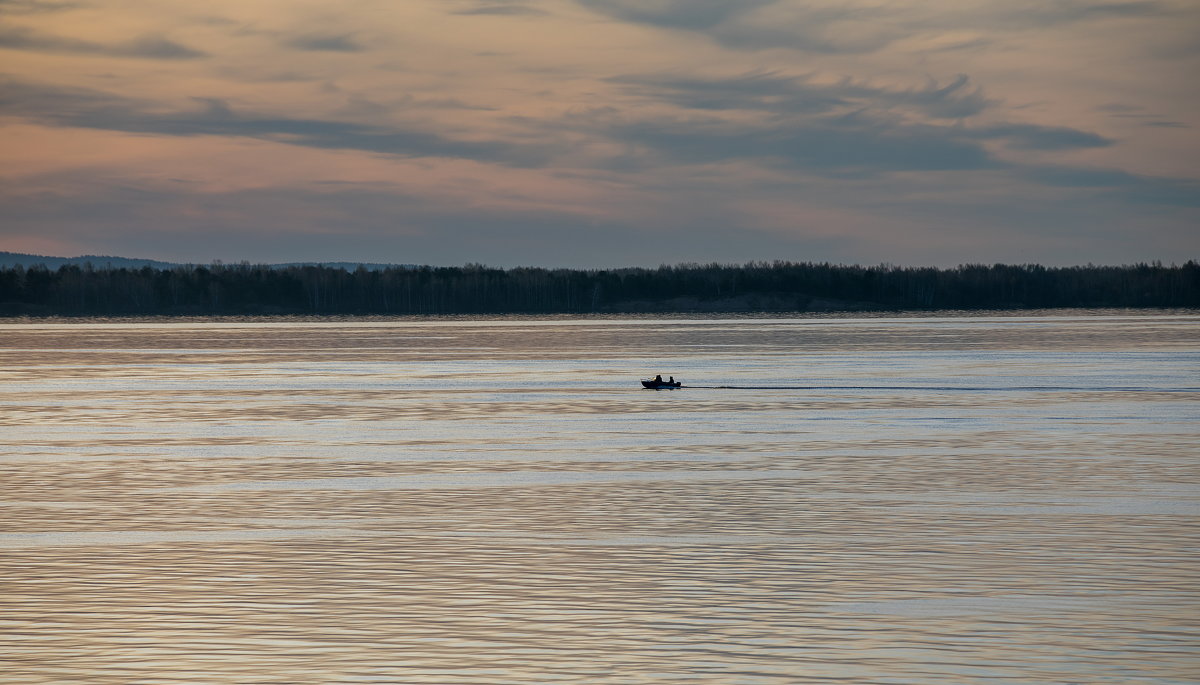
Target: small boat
652	384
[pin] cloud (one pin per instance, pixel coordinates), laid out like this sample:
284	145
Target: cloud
1083	10
145	47
833	145
824	142
831	30
1033	137
36	6
501	9
325	42
765	91
759	24
951	101
957	121
855	26
360	107
1117	107
827	128
771	92
1155	190
85	108
694	15
1123	111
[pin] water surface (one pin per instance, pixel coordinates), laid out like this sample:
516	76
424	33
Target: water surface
879	500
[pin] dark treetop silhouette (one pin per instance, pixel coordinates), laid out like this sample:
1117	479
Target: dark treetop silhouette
474	289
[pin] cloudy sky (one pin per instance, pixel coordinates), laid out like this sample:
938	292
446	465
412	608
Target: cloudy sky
602	132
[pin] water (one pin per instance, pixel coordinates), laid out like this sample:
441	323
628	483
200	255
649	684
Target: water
879	500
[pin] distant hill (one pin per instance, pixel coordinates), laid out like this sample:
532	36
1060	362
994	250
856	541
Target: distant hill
11	259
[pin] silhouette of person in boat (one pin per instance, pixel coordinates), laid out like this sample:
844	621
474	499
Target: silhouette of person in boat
658	381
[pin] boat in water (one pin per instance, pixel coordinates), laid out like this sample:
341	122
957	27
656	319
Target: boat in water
659	384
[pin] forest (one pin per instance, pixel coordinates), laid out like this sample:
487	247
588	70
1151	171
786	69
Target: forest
250	289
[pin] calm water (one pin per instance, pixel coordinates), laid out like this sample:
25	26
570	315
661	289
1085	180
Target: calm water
904	500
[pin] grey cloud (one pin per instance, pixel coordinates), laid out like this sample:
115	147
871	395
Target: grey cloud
955	100
18	98
146	47
359	106
758	91
965	45
811	29
828	139
36	6
156	47
818	30
694	15
952	101
499	9
1080	10
773	93
827	145
325	42
1122	111
1118	108
852	27
1025	15
1074	177
1033	137
253	74
93	109
445	103
1179	47
1153	190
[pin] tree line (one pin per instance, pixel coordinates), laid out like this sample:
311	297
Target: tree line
73	290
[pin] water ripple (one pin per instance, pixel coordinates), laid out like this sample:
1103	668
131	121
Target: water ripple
949	500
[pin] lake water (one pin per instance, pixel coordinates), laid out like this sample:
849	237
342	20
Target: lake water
983	499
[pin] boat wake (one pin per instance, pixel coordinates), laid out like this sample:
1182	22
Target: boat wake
947	388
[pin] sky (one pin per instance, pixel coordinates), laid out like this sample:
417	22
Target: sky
602	133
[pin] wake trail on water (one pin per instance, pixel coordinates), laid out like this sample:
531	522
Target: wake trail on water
945	388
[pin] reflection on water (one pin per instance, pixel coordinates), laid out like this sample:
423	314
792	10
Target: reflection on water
942	500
